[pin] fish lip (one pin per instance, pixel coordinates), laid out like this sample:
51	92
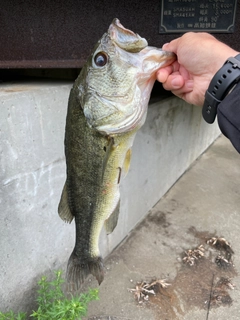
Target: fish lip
126	38
157	59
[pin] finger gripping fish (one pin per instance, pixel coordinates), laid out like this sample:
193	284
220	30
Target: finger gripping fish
107	106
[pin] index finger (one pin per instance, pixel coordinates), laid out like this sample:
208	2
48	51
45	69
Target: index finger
163	73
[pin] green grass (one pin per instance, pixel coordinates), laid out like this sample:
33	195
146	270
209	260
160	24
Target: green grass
52	303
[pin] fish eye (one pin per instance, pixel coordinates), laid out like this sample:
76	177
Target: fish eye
100	59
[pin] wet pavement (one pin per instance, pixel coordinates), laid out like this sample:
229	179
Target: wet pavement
183	260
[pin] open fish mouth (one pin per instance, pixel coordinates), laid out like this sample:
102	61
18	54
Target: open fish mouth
148	61
127	110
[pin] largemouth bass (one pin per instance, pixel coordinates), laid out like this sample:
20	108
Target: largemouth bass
107	106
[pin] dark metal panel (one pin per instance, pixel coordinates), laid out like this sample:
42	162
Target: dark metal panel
61	34
209	16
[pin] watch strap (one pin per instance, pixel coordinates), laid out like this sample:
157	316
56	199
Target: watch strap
219	87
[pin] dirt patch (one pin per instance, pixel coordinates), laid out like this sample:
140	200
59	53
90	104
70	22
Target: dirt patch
199	285
204	279
159	218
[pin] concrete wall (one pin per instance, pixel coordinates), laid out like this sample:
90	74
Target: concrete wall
33	239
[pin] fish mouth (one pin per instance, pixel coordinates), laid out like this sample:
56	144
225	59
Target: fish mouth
145	80
151	59
130	109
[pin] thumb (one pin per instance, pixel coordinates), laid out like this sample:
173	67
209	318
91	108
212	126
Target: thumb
171	46
165	46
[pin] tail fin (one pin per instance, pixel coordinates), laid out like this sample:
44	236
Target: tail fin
79	268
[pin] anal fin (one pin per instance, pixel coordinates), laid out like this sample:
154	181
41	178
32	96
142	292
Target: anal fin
111	222
63	208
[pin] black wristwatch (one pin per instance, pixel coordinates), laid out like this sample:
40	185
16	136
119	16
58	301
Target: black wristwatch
222	83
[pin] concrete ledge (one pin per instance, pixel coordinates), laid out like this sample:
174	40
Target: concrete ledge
33	238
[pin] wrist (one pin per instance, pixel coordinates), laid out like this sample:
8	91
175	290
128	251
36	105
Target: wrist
220	86
218	60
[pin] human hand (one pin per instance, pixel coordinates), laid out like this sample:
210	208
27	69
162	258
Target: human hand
199	57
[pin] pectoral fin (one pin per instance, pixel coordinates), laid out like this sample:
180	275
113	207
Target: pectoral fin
111	222
63	207
127	161
108	149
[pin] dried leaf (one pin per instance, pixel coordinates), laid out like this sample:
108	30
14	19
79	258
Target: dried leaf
144	289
